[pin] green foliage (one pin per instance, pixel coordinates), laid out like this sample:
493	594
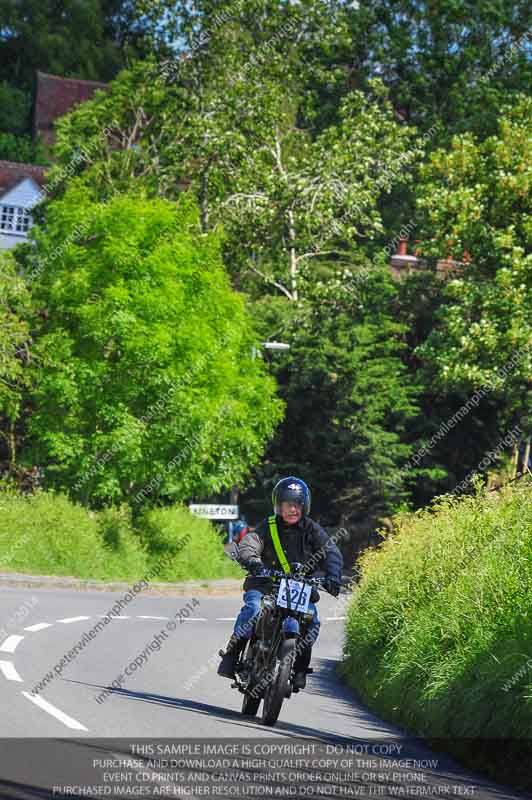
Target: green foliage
130	557
349	401
297	203
102	132
476	197
285	197
39	35
454	64
21	149
438	630
292	124
144	385
15	107
47	534
197	547
14	353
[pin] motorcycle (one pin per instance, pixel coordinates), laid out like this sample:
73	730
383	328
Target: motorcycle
265	668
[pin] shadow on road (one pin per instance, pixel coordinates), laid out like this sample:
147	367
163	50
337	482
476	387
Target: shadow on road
227	715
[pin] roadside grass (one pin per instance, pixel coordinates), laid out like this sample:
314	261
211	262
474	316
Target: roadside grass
439	630
47	534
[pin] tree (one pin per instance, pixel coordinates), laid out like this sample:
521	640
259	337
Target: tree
39	35
145	387
14	353
287	199
350	405
300	202
452	65
475	200
21	149
15	107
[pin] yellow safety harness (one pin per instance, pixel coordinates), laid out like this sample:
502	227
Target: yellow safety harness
277	546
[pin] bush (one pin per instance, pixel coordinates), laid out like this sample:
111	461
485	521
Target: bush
438	632
200	556
46	533
127	554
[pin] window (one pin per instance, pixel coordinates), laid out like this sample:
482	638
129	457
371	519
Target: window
15	219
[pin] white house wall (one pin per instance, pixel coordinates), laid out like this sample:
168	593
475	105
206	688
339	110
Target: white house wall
25	194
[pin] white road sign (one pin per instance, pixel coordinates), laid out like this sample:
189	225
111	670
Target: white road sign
211	511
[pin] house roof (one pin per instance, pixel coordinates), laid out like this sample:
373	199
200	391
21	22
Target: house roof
11	173
55	96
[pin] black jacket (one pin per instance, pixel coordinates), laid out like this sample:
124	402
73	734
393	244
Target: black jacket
300	542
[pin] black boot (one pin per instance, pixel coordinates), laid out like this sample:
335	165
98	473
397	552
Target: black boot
301	668
234	647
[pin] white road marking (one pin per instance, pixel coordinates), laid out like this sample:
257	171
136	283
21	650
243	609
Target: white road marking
10	672
39	627
148	617
55	712
71	619
10	644
334	619
197	619
120	617
225	619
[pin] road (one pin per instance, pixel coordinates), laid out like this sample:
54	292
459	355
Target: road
80	727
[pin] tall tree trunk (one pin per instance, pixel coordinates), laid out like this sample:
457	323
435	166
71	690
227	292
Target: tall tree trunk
293	260
515	458
204	201
526	457
12	446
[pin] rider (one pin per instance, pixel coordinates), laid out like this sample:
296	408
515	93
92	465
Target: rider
289	536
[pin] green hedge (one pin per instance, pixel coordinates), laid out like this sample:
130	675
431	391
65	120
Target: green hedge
47	534
439	631
202	556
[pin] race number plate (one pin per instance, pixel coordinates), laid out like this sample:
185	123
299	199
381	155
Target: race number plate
297	592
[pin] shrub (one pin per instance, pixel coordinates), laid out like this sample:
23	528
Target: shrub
46	533
200	556
438	632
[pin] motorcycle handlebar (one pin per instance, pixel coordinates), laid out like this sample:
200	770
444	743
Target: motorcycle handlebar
275	573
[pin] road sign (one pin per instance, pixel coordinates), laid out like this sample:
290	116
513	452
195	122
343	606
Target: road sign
211	511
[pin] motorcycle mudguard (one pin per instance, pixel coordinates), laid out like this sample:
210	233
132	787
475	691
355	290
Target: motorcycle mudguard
285	648
290	627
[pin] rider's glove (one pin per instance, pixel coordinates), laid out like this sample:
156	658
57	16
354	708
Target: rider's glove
254	566
332	586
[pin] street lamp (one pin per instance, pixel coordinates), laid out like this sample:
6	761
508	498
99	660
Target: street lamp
269	346
254	353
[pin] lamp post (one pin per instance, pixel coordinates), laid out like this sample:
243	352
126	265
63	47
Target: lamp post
269	346
254	352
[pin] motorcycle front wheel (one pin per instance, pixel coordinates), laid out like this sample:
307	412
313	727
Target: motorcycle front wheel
279	687
250	705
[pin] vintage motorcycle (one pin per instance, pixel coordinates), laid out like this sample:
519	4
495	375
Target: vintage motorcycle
265	668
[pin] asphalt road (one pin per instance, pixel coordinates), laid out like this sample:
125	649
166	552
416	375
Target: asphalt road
76	719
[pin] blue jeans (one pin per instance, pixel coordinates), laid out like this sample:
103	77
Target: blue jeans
245	622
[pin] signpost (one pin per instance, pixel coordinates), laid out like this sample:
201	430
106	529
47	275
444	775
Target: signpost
211	511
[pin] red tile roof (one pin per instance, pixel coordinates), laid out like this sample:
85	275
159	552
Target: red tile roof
12	173
55	96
